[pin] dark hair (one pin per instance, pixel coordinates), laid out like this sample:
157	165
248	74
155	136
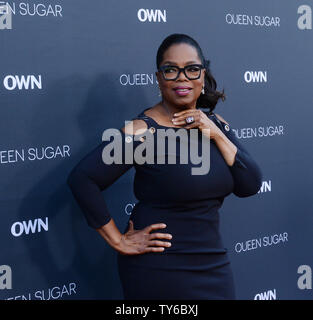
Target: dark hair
210	97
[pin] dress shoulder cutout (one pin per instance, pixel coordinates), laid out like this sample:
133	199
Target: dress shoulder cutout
135	127
148	120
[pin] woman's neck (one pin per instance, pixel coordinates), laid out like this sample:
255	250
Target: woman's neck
170	109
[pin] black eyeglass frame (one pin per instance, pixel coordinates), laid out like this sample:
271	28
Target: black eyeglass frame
161	69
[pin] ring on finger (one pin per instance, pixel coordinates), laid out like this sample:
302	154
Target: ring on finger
190	119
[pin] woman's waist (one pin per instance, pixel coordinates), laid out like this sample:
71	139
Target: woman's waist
193	229
177	214
206	204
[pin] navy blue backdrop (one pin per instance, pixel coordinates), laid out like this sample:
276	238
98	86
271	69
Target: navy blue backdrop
70	69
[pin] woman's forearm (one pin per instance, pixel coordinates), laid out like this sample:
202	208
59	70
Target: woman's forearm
226	147
244	169
111	234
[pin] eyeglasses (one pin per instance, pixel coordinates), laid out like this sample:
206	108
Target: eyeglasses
192	71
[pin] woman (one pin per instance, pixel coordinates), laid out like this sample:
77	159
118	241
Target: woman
171	248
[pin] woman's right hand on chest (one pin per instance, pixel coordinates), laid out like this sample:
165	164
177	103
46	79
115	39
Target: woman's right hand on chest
141	241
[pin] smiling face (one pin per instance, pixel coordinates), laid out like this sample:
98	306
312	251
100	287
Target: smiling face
182	91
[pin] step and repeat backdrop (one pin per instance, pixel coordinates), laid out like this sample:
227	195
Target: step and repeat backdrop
70	69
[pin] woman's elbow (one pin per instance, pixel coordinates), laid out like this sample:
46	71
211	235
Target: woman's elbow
250	188
73	178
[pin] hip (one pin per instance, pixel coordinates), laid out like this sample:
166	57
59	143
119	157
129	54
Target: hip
185	261
176	276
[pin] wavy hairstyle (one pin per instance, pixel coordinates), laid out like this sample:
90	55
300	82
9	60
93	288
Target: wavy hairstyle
211	96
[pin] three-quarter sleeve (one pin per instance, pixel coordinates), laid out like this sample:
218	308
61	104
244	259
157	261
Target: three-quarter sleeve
91	176
245	170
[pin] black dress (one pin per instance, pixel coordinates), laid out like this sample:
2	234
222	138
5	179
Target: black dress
196	266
